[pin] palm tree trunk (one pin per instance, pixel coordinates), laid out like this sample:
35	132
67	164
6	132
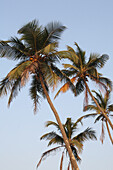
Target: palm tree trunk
72	158
107	118
109	132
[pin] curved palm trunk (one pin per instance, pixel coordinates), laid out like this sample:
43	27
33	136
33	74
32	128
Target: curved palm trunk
107	118
72	158
109	132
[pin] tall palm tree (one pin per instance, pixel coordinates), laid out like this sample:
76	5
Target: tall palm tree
36	51
104	103
80	70
76	141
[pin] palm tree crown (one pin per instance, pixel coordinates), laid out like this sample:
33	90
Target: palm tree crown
81	71
104	103
76	141
35	50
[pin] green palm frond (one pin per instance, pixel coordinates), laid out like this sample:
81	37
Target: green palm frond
80	86
86	116
99	97
97	61
110	108
98	118
64	78
54	30
33	92
78	145
106	81
14	90
71	67
50	76
72	56
49	48
86	135
91	107
53	138
11	52
48	136
18	70
56	140
81	54
48	123
5	86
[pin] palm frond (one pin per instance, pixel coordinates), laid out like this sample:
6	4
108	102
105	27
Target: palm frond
98	118
77	144
86	135
98	61
106	81
49	48
72	56
86	116
47	153
53	138
18	70
110	108
71	67
54	30
12	52
64	77
5	86
80	86
48	123
81	54
91	107
14	90
56	140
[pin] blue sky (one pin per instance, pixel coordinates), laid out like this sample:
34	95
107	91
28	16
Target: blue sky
90	24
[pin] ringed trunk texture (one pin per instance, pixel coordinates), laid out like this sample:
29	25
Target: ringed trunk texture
72	158
109	132
107	118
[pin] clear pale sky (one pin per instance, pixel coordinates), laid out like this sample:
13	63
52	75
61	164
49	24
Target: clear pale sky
90	24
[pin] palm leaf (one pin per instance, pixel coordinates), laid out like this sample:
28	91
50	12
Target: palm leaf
65	87
97	61
54	30
86	135
47	153
14	91
110	108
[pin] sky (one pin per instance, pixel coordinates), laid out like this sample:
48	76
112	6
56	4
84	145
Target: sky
90	24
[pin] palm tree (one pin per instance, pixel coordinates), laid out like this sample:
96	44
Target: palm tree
81	71
103	102
76	141
36	52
